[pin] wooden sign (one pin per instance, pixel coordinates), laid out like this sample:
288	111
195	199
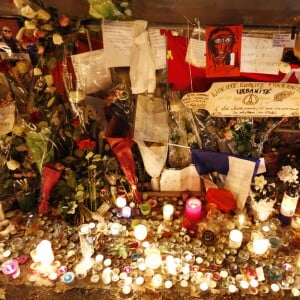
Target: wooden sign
247	99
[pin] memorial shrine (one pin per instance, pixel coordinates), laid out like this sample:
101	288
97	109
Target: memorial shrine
149	150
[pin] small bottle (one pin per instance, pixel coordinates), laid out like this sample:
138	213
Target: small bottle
289	204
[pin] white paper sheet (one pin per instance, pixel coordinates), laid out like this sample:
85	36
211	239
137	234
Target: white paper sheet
91	71
195	54
118	39
259	56
238	179
187	179
159	46
151	120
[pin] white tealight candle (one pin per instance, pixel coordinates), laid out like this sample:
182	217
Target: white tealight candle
156	280
107	262
275	287
126	289
140	232
232	288
254	283
260	246
126	212
235	239
106	275
115	228
121	202
139	280
204	286
244	284
168	211
153	258
168	284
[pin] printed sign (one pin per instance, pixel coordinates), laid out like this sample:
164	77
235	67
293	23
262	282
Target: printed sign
247	99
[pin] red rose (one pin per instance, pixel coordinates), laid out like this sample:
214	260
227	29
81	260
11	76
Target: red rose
64	21
35	117
86	144
76	122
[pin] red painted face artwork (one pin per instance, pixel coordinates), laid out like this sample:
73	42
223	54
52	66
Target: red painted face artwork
223	49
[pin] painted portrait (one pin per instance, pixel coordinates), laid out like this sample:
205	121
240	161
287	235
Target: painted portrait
223	51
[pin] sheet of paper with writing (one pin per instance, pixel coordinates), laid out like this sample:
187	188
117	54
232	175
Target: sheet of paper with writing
118	41
247	99
238	179
259	56
159	45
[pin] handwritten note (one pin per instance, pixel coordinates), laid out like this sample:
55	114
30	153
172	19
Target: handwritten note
238	179
91	71
283	40
195	101
118	41
259	56
195	54
186	179
159	46
151	121
247	99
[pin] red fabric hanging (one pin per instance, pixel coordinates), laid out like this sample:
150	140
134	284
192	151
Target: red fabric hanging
181	74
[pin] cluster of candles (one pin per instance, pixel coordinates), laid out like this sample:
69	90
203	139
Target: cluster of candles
207	262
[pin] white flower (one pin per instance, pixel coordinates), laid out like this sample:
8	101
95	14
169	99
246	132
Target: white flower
57	39
13	165
49	79
28	12
30	25
43	15
259	182
37	71
73	208
288	174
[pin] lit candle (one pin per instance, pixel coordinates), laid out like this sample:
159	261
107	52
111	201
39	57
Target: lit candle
260	246
11	268
241	220
80	271
44	254
275	287
153	258
232	288
121	201
193	208
140	232
168	284
235	239
168	211
115	228
156	280
204	286
106	275
139	280
126	212
126	289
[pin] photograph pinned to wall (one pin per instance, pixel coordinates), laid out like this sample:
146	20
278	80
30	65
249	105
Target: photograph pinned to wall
223	51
